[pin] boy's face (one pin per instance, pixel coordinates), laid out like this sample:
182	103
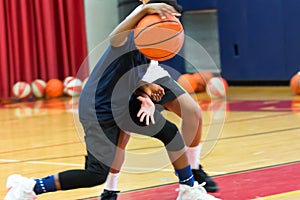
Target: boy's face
144	1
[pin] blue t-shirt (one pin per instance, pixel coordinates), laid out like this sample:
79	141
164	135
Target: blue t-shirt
113	80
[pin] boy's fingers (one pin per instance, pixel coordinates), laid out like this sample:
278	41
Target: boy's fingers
152	119
139	113
142	117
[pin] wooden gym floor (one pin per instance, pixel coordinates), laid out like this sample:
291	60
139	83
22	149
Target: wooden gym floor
252	149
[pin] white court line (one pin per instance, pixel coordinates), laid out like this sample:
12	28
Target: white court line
81	165
41	163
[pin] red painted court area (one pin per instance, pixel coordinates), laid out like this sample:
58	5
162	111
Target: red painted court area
237	186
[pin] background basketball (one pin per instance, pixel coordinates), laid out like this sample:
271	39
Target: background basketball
159	39
188	82
202	79
295	83
54	88
217	87
38	88
21	90
73	87
67	79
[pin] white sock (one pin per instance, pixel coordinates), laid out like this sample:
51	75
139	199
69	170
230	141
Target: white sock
193	154
112	181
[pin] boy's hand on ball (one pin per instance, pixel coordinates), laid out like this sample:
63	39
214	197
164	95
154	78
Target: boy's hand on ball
162	9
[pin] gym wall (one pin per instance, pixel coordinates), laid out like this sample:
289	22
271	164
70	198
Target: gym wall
259	40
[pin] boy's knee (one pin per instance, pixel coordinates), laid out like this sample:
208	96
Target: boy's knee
95	170
197	112
192	112
95	178
171	137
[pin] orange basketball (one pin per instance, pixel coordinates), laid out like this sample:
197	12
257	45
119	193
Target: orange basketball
295	83
188	82
54	88
159	39
202	79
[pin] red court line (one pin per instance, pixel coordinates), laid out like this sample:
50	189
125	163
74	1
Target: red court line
238	186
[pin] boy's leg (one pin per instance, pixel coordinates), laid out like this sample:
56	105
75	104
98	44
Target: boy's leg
95	171
101	143
120	152
190	112
169	135
181	103
110	187
188	187
20	188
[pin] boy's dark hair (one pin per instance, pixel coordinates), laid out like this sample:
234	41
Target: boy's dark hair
169	2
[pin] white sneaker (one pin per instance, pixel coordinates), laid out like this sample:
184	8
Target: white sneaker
197	192
20	188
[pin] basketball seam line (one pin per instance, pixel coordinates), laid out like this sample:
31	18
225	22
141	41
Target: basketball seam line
153	25
162	41
153	57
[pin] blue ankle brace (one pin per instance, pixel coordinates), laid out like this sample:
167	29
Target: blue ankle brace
185	176
44	185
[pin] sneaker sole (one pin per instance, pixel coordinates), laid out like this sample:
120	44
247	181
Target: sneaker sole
211	189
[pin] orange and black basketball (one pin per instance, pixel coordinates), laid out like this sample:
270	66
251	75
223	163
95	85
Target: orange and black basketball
159	39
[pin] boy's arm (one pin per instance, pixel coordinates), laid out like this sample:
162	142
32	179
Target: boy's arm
119	35
152	90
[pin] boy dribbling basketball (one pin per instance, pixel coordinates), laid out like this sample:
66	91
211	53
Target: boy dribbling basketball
110	103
